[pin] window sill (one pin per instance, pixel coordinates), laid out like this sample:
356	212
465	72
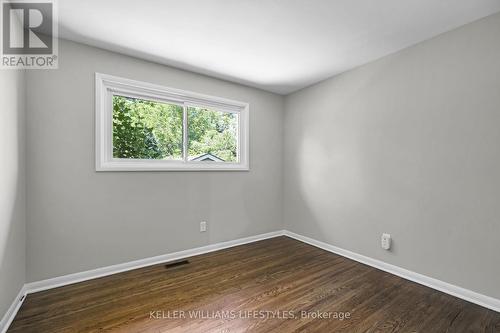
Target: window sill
141	165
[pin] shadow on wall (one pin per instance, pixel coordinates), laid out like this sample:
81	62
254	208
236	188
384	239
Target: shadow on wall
9	208
406	145
12	202
330	175
360	154
219	206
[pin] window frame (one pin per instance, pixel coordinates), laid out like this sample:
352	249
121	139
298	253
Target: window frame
107	85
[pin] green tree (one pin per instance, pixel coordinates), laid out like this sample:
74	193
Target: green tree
165	120
154	130
212	132
131	138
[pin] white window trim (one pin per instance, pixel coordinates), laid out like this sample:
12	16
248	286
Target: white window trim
107	85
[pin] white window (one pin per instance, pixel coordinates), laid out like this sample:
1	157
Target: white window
142	126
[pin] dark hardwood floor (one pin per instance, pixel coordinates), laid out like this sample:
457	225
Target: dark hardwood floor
259	287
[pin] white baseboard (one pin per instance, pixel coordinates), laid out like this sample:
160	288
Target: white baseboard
465	294
60	281
12	311
468	295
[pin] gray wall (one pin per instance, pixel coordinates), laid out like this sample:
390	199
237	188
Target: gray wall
12	186
79	219
407	145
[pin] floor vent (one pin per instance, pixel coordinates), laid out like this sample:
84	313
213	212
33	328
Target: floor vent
177	263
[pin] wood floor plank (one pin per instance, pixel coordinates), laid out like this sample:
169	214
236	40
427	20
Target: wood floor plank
275	285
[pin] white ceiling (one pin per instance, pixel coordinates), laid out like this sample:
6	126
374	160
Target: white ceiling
276	45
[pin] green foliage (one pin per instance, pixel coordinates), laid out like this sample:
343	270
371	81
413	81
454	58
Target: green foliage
131	138
212	132
152	130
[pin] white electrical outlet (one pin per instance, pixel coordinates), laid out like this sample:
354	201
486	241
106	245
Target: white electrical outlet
386	241
203	226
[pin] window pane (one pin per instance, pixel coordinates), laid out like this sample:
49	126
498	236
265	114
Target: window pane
213	135
145	129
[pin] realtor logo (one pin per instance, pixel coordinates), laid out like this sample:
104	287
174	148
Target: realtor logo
29	37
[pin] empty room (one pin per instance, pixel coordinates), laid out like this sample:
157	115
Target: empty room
249	166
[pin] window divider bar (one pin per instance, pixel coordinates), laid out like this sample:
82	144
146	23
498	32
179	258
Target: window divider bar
184	133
